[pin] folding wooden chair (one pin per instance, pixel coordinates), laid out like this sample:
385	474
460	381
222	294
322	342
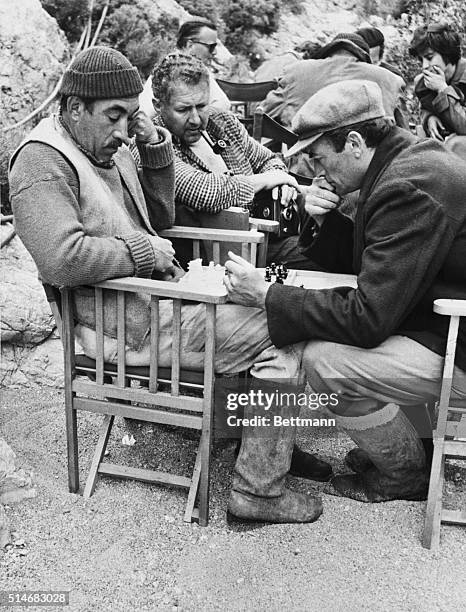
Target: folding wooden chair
449	435
108	388
278	138
242	95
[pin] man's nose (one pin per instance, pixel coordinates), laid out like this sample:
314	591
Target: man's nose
122	126
194	117
425	63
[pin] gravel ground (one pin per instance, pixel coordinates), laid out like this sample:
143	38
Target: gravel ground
127	548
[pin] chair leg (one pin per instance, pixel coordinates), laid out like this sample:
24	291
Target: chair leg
204	484
72	443
431	535
190	512
100	448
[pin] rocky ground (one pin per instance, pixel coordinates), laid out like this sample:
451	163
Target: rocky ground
127	547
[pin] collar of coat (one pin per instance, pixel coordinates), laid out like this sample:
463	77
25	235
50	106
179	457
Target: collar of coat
396	141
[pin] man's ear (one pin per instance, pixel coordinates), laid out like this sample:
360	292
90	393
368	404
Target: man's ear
355	143
75	107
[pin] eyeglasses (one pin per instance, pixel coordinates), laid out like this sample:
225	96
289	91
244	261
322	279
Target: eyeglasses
210	46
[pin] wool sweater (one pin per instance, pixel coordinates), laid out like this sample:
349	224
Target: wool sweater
83	223
45	197
407	246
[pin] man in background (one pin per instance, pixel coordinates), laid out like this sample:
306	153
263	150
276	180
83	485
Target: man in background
198	37
346	57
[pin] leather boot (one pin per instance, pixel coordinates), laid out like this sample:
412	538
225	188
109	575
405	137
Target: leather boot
399	468
258	491
305	465
422	420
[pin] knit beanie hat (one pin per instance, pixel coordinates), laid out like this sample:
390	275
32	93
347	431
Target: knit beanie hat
373	36
101	72
350	41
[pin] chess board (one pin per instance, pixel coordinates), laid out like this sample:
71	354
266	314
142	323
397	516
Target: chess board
308	279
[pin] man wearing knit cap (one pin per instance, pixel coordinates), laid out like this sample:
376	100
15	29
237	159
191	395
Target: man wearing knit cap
344	58
86	216
379	346
376	41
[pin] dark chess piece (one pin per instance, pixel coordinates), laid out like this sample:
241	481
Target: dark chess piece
273	267
268	275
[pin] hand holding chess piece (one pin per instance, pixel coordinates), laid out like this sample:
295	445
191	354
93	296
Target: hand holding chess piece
245	283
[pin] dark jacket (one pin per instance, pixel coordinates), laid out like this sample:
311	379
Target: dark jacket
407	246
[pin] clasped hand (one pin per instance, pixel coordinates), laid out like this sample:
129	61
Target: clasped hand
320	198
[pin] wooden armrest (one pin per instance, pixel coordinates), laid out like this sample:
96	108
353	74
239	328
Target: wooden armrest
450	307
263	225
214	235
164	289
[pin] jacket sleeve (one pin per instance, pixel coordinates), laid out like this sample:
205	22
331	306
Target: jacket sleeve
157	177
48	221
449	105
401	258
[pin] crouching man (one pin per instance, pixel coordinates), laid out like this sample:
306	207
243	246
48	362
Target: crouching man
379	346
83	213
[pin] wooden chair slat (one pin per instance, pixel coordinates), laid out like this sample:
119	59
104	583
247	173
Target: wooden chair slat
176	347
154	343
216	252
121	339
196	249
99	333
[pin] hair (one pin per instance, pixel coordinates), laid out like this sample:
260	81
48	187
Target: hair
373	131
177	67
439	37
88	103
190	29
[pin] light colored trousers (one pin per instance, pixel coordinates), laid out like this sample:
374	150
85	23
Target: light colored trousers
242	342
399	370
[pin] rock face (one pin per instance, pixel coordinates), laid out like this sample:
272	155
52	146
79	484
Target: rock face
31	353
15	486
319	21
33	53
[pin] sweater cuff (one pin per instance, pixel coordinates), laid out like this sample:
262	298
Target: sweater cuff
158	155
141	252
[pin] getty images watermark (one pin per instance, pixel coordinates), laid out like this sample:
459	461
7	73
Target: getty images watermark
264	401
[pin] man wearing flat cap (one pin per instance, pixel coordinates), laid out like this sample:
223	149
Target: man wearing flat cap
344	58
379	346
85	216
